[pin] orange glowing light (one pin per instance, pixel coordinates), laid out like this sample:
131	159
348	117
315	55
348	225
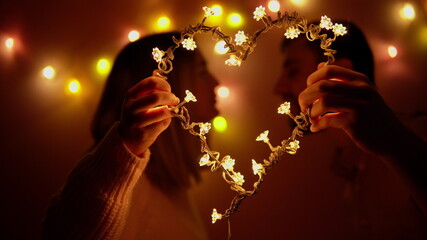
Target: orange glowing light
392	51
9	43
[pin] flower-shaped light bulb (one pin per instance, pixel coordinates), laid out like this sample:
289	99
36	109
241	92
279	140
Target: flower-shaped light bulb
215	215
204	160
158	54
263	137
257	167
189	97
228	163
325	23
285	108
259	13
339	29
189	44
293	147
238	178
233	61
292	32
240	38
204	128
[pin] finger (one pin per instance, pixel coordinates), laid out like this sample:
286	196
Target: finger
328	72
340	120
150	100
148	85
349	90
152	116
320	65
334	104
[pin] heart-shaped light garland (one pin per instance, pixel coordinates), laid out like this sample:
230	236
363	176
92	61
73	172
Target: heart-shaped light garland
238	51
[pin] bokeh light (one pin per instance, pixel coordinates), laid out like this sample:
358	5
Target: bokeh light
103	66
223	92
392	51
220	47
163	23
299	2
407	11
234	20
48	72
73	86
9	43
217	9
133	35
274	6
220	124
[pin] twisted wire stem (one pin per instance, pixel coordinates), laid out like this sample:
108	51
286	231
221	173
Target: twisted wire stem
241	52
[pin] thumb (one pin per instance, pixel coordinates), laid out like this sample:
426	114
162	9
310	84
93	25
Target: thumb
321	65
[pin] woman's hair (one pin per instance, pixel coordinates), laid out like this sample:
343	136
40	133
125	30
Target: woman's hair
352	45
172	160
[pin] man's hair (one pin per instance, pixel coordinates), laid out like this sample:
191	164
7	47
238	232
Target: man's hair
353	46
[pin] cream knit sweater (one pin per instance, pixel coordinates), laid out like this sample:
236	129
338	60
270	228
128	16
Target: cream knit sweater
107	196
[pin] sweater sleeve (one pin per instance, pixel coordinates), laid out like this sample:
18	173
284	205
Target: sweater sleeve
94	202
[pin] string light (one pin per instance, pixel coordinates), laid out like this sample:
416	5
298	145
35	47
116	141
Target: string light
274	6
220	47
235	20
133	35
223	92
9	43
392	51
103	66
163	23
217	9
73	86
407	11
239	48
48	72
220	124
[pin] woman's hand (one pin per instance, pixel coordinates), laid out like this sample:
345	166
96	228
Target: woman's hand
342	98
145	114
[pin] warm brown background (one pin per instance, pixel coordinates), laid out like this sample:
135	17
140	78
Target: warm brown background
44	131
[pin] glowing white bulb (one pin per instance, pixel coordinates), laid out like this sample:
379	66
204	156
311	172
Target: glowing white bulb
263	137
220	47
259	13
204	160
189	44
228	163
257	167
217	9
49	72
238	178
392	51
215	216
274	6
133	35
73	86
285	108
163	22
9	43
223	92
103	66
407	11
234	20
